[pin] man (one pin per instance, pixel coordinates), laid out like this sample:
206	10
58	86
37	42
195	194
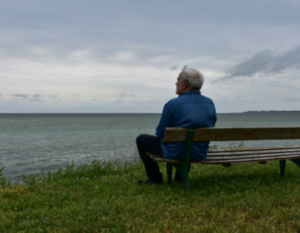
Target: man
189	110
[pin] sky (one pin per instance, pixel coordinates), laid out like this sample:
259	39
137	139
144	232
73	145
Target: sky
118	56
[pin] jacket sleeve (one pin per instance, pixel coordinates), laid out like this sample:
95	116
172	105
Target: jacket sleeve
165	121
215	115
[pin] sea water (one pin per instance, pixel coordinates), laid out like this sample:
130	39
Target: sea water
31	142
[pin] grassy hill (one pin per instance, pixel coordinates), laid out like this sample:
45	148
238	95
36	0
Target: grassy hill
102	197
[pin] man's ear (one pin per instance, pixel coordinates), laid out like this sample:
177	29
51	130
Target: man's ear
185	84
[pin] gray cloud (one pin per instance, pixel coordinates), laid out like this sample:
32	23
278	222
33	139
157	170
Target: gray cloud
125	94
272	82
118	101
173	67
24	96
76	95
37	96
58	38
57	29
35	100
265	62
293	99
122	95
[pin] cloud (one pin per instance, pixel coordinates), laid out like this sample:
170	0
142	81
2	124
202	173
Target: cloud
35	100
125	94
37	96
272	82
122	95
24	96
118	101
46	48
293	99
265	62
173	67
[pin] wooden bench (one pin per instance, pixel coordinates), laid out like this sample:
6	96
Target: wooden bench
228	156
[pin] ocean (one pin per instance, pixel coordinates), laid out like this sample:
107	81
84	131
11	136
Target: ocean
31	142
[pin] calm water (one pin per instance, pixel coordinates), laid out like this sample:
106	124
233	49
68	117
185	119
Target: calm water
30	142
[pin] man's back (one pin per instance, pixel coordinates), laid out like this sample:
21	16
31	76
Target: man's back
189	110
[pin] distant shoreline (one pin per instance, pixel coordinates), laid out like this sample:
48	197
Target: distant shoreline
152	113
271	112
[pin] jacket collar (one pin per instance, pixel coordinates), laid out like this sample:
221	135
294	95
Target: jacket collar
191	93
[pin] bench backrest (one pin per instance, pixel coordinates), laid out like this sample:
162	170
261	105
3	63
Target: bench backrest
233	134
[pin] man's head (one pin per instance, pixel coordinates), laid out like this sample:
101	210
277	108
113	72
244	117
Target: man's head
189	79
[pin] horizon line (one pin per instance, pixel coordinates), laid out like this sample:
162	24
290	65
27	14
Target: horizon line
248	111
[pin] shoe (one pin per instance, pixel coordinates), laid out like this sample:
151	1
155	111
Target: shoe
178	180
148	181
145	182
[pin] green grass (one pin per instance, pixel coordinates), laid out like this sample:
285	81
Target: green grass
106	198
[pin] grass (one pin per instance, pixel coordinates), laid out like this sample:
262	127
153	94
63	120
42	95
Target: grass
102	197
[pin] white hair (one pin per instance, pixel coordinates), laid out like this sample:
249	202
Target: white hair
194	77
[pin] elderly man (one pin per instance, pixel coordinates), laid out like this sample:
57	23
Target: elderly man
189	110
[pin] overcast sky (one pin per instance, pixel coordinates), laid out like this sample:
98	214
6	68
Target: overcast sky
125	55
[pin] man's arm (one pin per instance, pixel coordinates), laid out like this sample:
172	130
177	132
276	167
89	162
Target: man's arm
165	121
215	115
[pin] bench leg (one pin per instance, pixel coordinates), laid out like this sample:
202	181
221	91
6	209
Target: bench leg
169	172
186	177
282	167
183	169
296	161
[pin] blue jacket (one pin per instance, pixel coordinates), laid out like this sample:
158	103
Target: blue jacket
189	110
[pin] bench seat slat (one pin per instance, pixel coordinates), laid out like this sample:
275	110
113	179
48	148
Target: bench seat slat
155	157
253	149
255	156
234	154
262	159
237	158
259	159
282	155
239	153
